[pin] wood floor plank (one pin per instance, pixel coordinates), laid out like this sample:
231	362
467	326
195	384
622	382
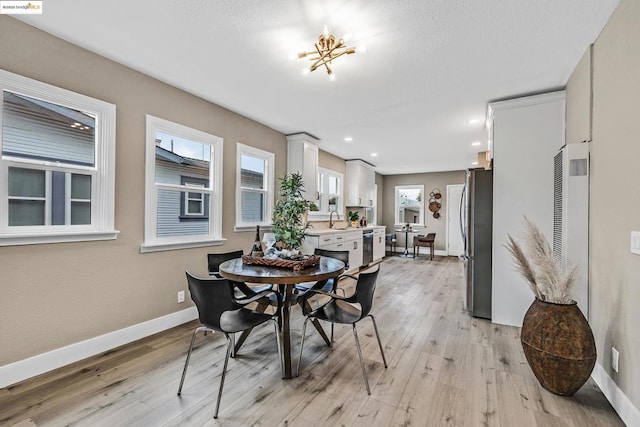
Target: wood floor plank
445	368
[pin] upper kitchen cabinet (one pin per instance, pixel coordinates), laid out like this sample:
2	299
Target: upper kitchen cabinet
361	179
302	157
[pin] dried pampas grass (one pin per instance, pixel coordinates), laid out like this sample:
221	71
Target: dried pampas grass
540	268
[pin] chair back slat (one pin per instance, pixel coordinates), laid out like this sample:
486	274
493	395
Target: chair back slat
339	255
214	260
212	297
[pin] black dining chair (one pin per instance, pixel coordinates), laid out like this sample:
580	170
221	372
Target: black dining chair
220	311
329	285
213	263
347	310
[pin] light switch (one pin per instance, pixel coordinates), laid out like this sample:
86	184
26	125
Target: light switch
635	242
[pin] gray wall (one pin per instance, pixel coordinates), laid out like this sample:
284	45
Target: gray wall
614	273
430	181
72	291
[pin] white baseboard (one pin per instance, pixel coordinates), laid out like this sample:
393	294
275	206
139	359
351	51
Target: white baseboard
36	365
620	402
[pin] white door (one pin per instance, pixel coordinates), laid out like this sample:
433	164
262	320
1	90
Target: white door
455	245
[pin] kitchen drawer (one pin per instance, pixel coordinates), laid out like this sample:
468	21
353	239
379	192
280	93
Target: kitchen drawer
326	239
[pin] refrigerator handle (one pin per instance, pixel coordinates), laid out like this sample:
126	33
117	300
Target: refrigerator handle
462	210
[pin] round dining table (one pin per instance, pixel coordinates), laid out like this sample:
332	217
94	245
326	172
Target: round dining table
286	279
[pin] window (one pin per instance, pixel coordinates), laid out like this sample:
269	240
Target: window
254	187
330	193
183	206
409	204
57	169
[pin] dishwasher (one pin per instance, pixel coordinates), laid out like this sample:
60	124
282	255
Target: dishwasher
367	247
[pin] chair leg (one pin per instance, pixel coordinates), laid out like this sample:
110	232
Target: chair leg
375	328
279	347
364	371
304	329
224	372
186	362
331	339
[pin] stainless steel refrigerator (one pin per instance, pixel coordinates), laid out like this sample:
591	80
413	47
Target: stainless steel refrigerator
476	219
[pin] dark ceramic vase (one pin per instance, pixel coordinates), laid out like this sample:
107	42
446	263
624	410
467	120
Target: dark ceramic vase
559	346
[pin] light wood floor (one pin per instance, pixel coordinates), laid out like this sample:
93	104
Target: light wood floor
445	369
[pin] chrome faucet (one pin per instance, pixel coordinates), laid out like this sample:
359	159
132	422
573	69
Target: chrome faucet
331	224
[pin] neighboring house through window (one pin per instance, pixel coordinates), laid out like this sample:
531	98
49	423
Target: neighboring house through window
183	206
57	170
254	187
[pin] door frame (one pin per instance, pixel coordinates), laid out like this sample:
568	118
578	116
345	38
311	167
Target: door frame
451	200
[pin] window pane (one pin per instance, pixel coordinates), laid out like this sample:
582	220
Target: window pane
177	156
168	217
26	212
80	213
80	186
333	204
41	130
194	207
26	182
333	185
252	206
252	171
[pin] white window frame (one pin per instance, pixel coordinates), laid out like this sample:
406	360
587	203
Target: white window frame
153	243
324	197
102	173
397	221
269	193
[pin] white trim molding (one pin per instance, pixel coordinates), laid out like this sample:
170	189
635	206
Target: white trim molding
45	362
629	414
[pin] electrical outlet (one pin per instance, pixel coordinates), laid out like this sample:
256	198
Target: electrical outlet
615	355
181	296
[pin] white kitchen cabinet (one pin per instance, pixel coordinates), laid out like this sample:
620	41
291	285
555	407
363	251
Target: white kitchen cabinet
302	157
378	243
339	240
361	181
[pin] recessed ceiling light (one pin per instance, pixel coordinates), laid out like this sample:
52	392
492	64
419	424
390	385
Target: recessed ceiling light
474	163
374	154
348	139
475	143
474	121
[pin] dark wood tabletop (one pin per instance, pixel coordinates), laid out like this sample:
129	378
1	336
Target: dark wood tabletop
237	271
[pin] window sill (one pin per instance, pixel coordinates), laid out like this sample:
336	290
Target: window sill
170	246
45	238
322	216
243	228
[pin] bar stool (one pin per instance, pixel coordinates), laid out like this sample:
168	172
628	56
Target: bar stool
391	240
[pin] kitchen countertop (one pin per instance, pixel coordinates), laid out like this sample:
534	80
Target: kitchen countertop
325	231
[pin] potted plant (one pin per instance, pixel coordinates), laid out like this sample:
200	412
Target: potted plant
556	338
354	217
289	214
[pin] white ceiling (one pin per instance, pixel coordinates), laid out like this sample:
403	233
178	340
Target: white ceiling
430	66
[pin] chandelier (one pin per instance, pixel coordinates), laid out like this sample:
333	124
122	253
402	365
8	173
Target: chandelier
327	48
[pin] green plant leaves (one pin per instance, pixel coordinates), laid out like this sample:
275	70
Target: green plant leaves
288	214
